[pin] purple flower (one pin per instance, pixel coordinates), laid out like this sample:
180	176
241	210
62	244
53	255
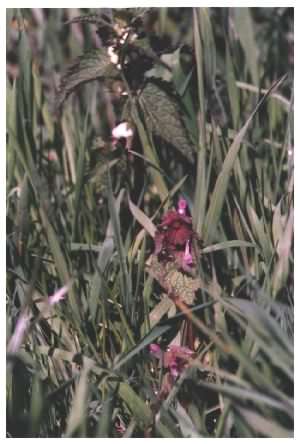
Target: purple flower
187	257
175	358
174	231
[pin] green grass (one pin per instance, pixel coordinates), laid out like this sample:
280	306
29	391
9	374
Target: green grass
84	214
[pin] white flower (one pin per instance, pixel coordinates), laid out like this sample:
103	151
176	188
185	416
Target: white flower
114	58
122	130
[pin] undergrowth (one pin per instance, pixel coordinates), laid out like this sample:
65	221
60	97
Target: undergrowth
150	222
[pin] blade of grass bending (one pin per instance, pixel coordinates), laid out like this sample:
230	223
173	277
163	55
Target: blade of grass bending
227	244
233	91
155	333
244	26
105	420
105	253
142	413
239	394
79	178
59	259
201	191
220	189
266	427
125	283
141	217
78	412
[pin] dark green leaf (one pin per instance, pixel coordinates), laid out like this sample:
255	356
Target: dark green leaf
92	65
163	118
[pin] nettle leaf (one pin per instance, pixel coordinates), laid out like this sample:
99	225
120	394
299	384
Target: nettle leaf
92	65
93	19
163	117
131	14
172	280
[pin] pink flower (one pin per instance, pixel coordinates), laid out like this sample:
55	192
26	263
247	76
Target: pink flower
187	257
59	295
24	320
156	351
182	205
175	358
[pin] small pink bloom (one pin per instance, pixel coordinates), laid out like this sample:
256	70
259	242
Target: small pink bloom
120	426
156	351
182	205
175	358
19	333
52	156
187	258
59	295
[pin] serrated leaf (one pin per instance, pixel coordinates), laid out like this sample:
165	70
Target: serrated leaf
173	280
93	19
92	65
163	118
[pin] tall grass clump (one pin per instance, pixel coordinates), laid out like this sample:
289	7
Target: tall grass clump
150	222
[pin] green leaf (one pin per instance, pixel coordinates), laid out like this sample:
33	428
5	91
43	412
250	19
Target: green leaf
284	251
125	282
77	413
233	91
227	244
141	217
92	65
220	189
163	117
105	420
139	408
243	395
266	427
244	26
209	47
186	425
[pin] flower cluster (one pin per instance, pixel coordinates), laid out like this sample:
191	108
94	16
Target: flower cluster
175	359
174	236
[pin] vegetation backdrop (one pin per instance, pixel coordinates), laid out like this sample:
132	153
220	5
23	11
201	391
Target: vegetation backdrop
149	222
